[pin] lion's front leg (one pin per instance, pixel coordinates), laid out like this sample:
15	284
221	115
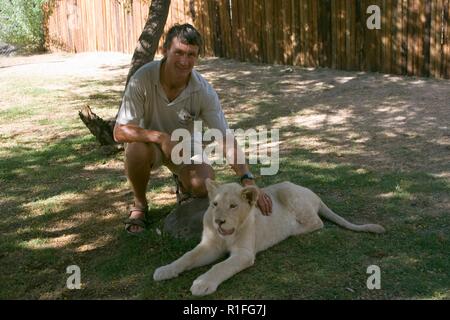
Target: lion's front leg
208	282
202	254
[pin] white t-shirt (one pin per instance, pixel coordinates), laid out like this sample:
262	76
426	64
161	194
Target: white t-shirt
145	103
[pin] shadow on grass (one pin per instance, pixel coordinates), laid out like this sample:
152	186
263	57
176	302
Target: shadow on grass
87	231
61	207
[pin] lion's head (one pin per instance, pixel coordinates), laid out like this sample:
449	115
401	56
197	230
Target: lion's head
229	205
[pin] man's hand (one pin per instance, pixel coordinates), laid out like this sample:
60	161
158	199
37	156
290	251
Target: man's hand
167	145
264	203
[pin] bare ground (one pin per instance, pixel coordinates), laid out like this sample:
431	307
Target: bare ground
368	118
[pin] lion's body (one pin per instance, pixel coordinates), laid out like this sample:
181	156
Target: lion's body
294	212
243	231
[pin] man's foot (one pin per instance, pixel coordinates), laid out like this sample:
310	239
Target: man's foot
137	220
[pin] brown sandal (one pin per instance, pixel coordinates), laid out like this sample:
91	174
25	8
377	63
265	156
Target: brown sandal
140	222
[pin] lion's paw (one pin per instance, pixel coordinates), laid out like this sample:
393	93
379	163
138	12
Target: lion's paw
164	273
202	287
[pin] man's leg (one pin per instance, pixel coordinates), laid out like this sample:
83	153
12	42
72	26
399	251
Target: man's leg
193	176
185	220
139	160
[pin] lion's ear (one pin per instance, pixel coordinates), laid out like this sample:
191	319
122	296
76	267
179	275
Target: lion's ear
211	186
250	194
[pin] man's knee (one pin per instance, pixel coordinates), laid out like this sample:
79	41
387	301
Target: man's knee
198	187
139	154
193	178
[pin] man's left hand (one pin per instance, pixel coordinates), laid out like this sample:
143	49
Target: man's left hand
264	203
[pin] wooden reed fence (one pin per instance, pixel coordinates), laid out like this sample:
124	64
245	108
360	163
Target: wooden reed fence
101	25
413	39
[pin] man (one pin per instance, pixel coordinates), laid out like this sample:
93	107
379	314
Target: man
163	96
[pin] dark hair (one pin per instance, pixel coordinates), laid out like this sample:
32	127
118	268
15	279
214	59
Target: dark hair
186	33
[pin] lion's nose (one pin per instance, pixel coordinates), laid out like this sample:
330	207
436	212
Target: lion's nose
219	222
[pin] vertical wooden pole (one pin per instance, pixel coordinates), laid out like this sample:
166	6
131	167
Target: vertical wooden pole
315	32
426	39
334	51
446	40
296	22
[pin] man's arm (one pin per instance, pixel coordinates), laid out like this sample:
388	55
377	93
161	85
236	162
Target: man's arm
213	115
133	133
233	153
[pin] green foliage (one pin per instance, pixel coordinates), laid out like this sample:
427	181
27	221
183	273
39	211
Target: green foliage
21	23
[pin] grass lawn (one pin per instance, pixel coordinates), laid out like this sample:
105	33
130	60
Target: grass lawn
375	147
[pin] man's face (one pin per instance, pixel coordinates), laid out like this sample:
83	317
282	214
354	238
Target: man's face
181	57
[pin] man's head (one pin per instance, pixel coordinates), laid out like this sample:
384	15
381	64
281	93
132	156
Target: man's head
186	34
181	48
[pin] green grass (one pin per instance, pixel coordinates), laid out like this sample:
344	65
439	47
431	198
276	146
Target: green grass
63	199
17	112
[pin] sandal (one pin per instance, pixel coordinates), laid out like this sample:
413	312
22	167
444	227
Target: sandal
140	222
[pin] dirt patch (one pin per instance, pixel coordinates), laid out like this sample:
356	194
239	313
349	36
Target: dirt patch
371	120
367	119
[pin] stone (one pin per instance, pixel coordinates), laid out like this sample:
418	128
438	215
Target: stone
186	219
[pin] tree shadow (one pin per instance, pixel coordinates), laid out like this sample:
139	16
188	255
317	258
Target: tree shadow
60	206
368	144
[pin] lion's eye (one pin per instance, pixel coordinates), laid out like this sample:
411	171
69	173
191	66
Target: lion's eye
232	206
215	203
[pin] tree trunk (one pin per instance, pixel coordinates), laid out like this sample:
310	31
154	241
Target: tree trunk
149	39
144	53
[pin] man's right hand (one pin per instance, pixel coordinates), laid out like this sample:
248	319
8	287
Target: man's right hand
133	133
167	145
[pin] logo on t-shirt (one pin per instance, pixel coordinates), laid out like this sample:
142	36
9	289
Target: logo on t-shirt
185	117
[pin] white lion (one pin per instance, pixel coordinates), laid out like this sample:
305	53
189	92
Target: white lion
233	224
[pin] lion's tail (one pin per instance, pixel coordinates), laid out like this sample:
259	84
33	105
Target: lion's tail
333	217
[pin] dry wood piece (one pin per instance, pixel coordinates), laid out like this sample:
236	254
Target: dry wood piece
101	129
